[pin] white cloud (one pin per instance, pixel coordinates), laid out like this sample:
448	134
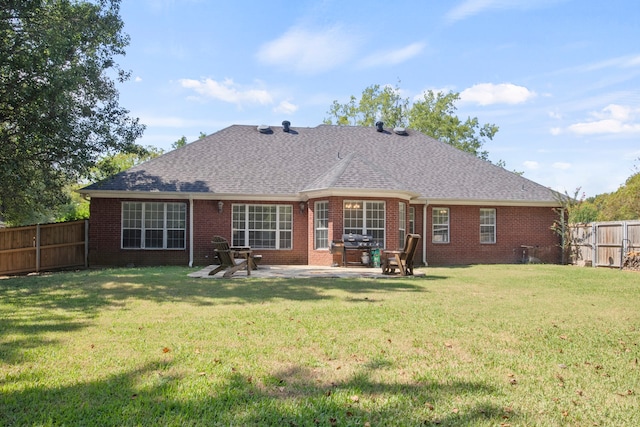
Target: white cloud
138	79
603	127
393	57
613	119
305	51
473	7
530	164
555	131
561	165
285	107
503	93
228	91
627	61
555	115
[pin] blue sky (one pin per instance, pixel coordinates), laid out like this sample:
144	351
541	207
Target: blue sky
560	78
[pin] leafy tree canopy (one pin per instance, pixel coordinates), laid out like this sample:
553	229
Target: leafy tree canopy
623	204
115	163
59	109
434	115
179	143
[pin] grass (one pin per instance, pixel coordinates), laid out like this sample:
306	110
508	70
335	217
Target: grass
515	345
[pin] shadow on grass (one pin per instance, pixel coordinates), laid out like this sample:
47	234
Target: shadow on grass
150	396
87	291
31	307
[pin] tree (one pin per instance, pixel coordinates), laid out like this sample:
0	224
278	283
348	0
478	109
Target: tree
376	103
181	142
115	163
77	207
434	115
624	203
59	107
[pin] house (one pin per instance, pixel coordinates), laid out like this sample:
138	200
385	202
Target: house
290	192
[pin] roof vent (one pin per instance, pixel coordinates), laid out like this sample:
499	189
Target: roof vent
264	129
379	126
400	131
285	126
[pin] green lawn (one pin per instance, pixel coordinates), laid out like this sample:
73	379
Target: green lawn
505	345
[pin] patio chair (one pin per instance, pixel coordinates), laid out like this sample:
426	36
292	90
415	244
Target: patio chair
231	259
402	260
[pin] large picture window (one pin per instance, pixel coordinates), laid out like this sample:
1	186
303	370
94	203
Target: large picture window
440	224
321	225
154	225
262	226
487	225
365	218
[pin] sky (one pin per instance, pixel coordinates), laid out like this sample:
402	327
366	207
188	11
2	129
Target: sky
560	78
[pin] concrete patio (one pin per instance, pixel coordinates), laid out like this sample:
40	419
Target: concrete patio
303	271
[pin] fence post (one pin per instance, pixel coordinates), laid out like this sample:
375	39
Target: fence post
37	248
86	243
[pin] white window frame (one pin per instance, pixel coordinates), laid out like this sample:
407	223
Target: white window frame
241	229
437	228
412	220
145	222
402	222
367	219
321	225
488	226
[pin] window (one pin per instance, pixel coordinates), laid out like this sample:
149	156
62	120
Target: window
262	226
154	225
402	222
487	225
440	221
412	220
365	218
321	225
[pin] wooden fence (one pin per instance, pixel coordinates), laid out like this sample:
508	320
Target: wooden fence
604	244
44	247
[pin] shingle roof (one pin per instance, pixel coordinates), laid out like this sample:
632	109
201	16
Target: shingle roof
240	160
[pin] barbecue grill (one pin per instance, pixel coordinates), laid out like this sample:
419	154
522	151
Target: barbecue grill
362	243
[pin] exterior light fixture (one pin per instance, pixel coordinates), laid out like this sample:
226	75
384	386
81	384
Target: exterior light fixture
302	206
220	206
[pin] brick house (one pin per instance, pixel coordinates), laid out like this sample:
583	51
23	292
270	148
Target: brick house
289	192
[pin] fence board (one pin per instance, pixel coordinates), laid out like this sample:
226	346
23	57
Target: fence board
43	247
604	243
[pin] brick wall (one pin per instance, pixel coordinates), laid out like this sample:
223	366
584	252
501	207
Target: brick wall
105	235
208	222
336	226
515	226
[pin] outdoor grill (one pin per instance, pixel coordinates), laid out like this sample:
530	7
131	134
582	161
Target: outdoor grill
357	243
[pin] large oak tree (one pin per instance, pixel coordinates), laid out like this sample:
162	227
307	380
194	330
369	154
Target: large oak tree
434	114
59	110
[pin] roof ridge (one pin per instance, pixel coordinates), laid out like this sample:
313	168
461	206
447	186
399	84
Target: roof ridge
330	177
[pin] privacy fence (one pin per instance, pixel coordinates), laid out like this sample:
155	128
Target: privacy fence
604	244
44	247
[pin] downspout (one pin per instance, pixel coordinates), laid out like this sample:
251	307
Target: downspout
190	230
424	236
